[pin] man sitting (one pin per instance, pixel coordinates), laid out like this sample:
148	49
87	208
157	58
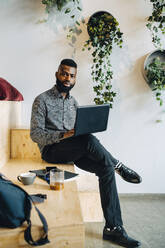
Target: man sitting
52	127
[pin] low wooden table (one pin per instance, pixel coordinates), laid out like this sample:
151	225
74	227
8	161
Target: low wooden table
61	209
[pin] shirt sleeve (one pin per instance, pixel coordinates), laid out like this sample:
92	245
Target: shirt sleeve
38	132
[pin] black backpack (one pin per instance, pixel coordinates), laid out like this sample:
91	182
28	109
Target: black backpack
15	208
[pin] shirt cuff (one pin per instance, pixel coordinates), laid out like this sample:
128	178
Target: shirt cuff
61	135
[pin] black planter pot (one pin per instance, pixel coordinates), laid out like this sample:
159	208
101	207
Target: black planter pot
149	59
96	15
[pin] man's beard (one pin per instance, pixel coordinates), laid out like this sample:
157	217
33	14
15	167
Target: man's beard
62	88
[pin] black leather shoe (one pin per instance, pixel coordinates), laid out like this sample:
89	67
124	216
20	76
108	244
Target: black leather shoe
119	236
127	174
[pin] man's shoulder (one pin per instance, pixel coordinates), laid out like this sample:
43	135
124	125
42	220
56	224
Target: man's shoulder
73	99
44	95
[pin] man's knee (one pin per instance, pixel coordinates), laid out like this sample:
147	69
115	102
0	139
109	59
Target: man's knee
105	171
92	141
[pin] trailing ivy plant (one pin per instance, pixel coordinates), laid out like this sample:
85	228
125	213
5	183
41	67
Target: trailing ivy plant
156	22
74	28
104	33
155	73
60	4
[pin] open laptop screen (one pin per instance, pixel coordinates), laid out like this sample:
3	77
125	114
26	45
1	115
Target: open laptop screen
91	119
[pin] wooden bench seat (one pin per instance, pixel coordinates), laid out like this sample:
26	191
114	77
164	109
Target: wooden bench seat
61	209
22	147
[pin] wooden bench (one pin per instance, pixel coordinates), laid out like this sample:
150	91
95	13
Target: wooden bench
22	147
62	209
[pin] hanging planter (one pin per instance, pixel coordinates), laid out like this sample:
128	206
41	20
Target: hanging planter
60	4
72	9
154	73
104	33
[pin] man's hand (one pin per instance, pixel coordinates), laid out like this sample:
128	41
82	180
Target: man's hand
68	134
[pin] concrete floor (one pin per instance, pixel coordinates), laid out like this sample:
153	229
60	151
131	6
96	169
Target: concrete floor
144	220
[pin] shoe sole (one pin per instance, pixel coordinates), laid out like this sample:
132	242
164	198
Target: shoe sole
106	237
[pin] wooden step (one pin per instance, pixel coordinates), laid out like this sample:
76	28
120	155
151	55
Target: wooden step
10	112
22	147
62	210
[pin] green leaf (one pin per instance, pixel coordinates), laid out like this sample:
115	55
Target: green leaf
68	10
79	8
161	102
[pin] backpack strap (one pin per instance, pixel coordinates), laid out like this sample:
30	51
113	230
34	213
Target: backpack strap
27	234
38	198
44	239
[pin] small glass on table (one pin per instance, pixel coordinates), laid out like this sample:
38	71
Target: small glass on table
56	179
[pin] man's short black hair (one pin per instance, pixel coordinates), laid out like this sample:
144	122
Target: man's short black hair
69	62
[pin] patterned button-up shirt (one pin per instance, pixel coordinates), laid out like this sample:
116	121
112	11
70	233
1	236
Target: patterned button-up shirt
52	116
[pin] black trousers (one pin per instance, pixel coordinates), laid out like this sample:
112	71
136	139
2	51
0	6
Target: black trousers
88	154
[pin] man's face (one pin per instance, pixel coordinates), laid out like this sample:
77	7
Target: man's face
66	75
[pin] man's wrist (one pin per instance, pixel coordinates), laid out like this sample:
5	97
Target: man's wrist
61	136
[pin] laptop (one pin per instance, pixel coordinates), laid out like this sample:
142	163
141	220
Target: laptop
91	119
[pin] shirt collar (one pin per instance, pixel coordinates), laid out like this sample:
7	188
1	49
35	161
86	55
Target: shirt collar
58	94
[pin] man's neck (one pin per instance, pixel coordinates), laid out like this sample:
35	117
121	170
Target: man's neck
64	94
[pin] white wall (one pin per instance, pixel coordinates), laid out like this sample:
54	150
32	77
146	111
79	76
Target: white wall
30	53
